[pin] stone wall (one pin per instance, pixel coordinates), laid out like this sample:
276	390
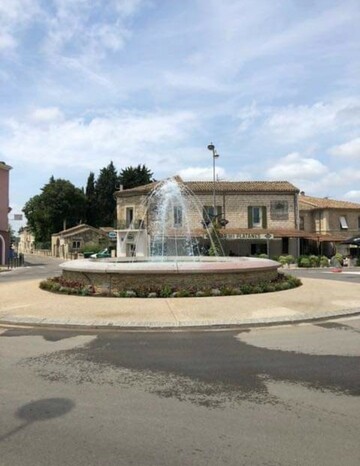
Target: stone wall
234	207
113	282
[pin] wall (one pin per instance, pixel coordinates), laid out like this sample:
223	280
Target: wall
4	211
112	282
234	207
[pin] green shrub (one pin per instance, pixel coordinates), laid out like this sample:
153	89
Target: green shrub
314	261
282	260
304	262
91	247
324	261
166	292
289	259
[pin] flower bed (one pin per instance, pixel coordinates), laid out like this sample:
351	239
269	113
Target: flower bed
73	287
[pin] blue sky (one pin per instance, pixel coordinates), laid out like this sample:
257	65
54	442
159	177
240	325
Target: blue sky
273	84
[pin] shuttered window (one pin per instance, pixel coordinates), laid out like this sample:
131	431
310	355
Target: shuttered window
257	217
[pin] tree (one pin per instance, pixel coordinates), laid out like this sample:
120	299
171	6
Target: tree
131	177
92	217
105	187
59	204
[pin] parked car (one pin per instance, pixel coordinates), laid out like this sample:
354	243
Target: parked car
102	254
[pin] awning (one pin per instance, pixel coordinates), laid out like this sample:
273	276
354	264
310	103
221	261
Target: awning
353	240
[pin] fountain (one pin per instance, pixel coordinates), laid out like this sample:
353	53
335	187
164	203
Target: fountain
167	254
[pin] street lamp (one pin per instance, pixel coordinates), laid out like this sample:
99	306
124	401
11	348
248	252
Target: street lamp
215	156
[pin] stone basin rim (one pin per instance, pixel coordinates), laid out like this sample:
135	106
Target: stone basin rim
229	265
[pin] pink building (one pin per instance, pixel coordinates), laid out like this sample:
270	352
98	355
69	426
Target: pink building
4	211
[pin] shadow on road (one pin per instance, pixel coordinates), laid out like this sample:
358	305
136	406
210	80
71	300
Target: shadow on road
41	410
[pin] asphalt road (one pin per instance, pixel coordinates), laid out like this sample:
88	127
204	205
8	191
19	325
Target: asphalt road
272	396
264	396
35	267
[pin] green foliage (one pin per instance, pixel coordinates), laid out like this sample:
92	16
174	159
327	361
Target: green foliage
282	260
91	247
131	177
314	261
105	203
92	211
324	261
66	286
305	262
166	292
59	202
289	259
263	256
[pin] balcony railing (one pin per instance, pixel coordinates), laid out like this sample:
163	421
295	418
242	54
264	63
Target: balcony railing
137	224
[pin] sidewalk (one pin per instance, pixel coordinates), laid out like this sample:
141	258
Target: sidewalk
25	303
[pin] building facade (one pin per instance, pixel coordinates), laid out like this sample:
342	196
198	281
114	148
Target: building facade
327	223
26	243
68	243
254	217
4	212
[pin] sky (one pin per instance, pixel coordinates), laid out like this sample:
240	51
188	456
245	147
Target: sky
274	84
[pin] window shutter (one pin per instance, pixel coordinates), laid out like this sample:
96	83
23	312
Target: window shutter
250	217
264	219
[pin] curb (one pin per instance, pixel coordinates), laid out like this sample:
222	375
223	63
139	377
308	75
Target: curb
155	326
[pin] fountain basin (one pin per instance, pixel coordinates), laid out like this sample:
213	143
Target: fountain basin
122	274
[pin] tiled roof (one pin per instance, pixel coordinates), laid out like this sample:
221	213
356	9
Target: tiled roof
242	186
222	186
312	203
78	228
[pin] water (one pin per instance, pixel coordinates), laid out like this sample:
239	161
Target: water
172	211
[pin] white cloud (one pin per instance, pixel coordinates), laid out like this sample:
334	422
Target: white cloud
202	173
15	14
7	41
47	115
349	149
296	123
88	30
353	195
294	166
128	137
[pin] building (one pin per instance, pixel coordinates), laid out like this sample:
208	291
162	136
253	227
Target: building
26	243
4	212
254	217
68	243
327	223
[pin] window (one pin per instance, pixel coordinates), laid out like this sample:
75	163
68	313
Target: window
209	214
359	223
279	210
76	244
343	223
129	216
257	217
177	216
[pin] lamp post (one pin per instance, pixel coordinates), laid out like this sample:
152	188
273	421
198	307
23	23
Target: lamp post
211	147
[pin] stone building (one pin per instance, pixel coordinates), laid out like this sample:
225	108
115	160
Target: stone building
68	243
327	223
254	217
26	243
4	212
